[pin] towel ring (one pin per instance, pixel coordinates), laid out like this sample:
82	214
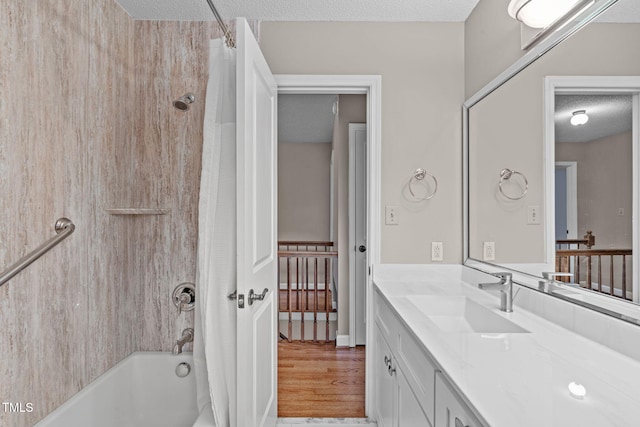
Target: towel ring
419	175
507	174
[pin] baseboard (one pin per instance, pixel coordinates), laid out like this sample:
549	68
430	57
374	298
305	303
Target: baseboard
342	341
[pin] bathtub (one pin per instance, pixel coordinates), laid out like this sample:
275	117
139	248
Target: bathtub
141	391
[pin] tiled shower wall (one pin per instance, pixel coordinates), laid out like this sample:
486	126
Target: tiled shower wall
86	124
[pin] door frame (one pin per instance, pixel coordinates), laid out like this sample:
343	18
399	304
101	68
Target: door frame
370	85
353	128
591	84
571	169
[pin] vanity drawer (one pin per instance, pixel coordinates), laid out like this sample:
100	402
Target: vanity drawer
419	369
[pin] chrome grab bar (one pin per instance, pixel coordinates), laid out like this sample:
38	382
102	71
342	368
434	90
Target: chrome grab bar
64	227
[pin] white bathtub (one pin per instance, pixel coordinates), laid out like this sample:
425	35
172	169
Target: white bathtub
141	391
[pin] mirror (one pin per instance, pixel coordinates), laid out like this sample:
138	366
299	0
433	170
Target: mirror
535	184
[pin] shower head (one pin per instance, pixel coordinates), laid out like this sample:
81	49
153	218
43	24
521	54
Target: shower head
183	102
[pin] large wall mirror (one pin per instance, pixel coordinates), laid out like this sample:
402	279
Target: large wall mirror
547	192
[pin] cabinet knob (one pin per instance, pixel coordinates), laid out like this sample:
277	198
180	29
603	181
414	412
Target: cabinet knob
460	423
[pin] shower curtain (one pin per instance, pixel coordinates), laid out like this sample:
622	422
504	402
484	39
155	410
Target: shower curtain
215	316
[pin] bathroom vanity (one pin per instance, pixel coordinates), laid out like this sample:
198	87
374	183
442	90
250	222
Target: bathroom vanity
445	355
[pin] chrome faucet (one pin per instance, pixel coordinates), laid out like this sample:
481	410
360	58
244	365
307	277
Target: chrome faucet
187	336
549	276
505	285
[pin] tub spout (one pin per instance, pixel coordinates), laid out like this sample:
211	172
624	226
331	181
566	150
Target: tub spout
187	336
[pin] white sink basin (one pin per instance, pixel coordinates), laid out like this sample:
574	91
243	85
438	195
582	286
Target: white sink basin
462	315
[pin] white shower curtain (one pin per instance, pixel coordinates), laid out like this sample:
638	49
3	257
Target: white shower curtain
215	323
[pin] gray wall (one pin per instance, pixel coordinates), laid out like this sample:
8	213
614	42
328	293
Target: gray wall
422	69
304	191
605	183
507	131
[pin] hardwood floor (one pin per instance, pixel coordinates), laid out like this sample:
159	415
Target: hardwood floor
321	381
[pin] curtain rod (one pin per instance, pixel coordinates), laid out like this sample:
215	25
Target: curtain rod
227	34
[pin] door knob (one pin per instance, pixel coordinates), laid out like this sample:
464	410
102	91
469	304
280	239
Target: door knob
257	297
362	248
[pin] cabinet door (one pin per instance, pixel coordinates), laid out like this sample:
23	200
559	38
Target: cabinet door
451	411
385	383
410	413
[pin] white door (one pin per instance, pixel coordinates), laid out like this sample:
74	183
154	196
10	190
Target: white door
358	232
257	246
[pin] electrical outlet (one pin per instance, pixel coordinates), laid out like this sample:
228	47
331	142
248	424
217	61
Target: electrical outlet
489	251
391	215
436	251
533	215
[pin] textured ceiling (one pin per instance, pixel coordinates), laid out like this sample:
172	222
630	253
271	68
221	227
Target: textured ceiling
305	118
608	115
304	10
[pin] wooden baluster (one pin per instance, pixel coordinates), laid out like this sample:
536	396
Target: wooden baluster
315	298
589	281
599	273
289	299
302	306
576	261
326	299
611	275
297	283
624	277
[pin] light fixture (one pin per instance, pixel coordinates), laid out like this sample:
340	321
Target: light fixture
579	118
540	13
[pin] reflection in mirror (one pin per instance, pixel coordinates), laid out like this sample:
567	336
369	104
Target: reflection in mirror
594	191
581	178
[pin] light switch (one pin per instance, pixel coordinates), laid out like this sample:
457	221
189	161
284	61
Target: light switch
391	215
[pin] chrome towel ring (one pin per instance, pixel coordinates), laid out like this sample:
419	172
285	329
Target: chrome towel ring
419	175
507	174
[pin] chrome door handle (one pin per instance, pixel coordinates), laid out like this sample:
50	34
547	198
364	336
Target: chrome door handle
362	248
257	297
233	295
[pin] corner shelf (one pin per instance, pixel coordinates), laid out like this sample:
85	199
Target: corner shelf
137	211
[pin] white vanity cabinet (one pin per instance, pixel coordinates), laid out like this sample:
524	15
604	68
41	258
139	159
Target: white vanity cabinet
410	391
385	382
404	377
396	404
450	410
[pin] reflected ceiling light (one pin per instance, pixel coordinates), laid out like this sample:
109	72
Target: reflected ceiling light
577	391
579	118
540	13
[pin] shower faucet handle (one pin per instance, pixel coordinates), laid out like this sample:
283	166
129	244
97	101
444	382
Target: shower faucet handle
183	300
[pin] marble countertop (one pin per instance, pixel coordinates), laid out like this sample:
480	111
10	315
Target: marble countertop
516	379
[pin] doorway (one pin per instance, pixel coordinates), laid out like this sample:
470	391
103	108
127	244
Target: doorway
368	89
605	146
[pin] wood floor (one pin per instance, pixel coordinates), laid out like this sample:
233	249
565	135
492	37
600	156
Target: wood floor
321	381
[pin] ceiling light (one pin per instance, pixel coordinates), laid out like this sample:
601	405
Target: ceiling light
540	13
579	118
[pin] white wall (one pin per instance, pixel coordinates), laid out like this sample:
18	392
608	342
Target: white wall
422	69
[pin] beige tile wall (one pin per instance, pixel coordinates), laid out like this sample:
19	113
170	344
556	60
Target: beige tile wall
86	124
